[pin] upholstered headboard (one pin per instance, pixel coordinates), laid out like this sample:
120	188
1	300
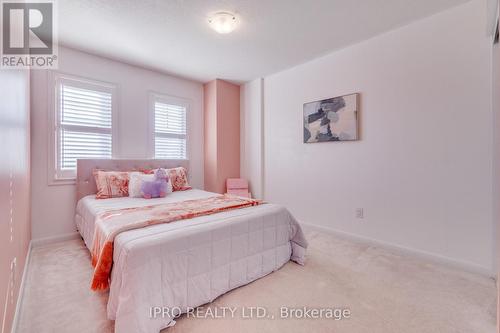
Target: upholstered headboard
85	182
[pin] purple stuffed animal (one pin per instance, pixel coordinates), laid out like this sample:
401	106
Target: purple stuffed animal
156	188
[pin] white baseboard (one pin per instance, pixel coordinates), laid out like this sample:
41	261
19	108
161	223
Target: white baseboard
15	320
436	258
54	239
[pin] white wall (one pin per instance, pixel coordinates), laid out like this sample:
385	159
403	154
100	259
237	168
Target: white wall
423	167
53	206
251	139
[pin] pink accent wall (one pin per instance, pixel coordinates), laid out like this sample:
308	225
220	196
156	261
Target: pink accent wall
496	162
210	135
222	134
14	188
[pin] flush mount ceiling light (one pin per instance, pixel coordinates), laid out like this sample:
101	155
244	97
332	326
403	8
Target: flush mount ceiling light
223	22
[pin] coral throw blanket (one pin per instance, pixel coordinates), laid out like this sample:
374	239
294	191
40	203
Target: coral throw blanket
109	224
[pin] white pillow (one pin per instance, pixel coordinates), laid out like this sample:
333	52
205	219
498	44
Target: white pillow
169	186
135	181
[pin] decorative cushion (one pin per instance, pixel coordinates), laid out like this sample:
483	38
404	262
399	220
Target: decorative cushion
135	182
111	184
178	178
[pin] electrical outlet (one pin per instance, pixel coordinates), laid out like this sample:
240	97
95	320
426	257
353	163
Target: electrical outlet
11	205
360	213
13	265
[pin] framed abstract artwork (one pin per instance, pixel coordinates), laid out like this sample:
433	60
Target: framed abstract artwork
332	119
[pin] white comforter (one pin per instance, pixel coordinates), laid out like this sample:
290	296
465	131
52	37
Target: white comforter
191	262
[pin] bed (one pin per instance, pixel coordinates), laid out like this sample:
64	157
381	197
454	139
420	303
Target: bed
183	264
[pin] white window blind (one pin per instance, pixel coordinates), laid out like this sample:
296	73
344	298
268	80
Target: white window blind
84	124
170	130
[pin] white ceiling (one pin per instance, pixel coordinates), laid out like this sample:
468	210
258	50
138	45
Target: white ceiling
173	36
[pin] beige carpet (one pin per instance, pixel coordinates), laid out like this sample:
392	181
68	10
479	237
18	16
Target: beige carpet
385	292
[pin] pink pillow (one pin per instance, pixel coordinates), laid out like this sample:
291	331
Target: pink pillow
111	184
178	178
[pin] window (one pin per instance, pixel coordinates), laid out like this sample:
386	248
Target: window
169	128
83	123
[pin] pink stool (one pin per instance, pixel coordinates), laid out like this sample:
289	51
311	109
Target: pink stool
238	186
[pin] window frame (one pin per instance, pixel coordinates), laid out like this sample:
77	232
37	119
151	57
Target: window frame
56	176
167	99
